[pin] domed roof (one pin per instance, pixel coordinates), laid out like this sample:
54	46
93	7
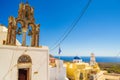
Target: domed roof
76	57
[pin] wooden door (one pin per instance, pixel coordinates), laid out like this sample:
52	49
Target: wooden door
23	74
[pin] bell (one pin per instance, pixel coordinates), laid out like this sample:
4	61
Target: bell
19	31
29	32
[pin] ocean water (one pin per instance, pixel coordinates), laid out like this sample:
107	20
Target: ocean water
87	59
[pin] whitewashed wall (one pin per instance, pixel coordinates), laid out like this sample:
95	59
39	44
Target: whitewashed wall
58	72
8	62
3	35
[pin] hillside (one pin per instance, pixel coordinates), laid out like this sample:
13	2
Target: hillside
110	67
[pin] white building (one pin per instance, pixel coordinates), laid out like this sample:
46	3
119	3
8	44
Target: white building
57	70
19	62
23	63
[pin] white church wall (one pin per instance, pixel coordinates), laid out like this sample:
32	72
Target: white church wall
58	72
53	73
3	35
9	56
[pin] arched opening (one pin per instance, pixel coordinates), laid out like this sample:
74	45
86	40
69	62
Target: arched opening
29	35
21	29
88	76
91	78
81	76
33	41
19	32
24	67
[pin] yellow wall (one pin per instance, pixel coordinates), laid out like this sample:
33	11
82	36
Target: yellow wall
75	69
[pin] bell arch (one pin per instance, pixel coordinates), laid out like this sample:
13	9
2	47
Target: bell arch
22	29
22	22
26	19
33	39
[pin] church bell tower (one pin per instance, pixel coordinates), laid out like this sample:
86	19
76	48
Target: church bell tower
26	20
92	59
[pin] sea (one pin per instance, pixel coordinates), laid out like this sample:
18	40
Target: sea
87	59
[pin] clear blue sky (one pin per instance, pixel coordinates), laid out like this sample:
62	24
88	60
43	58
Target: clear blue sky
98	31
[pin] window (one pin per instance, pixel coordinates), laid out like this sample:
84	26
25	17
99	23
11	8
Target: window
24	59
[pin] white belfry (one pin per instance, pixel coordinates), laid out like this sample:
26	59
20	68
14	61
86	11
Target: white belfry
92	59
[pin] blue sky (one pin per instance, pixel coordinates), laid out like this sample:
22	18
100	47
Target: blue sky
98	31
